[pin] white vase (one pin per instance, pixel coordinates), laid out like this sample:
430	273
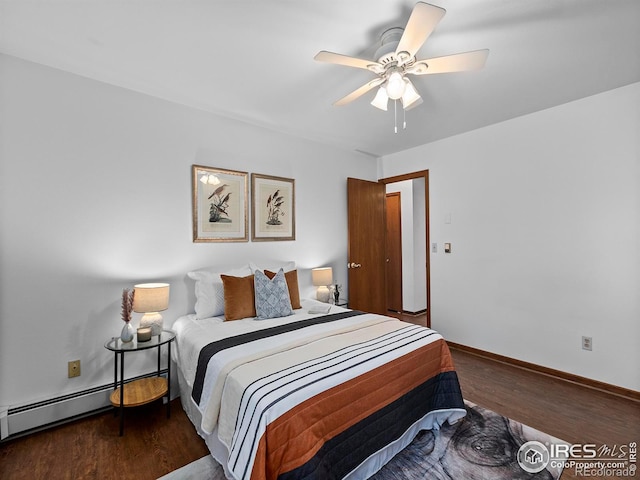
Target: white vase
127	332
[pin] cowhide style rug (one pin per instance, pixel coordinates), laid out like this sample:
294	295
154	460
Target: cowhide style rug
482	446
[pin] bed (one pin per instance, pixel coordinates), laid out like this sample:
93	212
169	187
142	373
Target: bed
313	394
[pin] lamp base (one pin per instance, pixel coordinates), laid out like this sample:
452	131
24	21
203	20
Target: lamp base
153	320
323	294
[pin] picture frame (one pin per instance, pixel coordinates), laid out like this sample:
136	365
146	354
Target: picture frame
219	203
273	213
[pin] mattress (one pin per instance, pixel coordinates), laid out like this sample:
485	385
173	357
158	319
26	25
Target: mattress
333	395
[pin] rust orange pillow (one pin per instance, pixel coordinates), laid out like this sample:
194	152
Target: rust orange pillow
239	297
292	283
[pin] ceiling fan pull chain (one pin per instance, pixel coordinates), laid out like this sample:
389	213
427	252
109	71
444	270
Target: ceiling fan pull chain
404	119
395	116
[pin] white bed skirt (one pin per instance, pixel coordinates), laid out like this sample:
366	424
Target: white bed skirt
216	447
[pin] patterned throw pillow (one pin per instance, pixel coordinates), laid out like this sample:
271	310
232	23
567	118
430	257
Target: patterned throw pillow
292	283
272	296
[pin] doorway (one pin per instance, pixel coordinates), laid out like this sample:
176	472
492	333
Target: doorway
366	258
415	271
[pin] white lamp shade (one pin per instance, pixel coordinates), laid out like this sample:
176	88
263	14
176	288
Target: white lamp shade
150	297
381	99
410	96
321	277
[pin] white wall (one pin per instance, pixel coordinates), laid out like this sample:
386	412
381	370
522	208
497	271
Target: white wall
545	233
95	195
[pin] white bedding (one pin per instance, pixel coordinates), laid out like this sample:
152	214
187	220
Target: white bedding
192	334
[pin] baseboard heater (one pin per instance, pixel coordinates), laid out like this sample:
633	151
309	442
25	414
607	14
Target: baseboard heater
27	419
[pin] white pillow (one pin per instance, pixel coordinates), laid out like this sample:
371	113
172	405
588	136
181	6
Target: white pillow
209	290
273	266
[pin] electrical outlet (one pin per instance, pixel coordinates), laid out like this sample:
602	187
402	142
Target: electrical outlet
587	343
74	368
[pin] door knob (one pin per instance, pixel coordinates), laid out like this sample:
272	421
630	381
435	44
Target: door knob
353	265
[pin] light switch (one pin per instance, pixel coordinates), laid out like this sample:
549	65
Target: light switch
447	248
434	248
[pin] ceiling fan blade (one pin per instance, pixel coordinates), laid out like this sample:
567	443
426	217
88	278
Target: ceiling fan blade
459	62
359	92
422	22
339	59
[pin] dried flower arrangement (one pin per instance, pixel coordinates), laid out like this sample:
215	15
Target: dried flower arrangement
127	304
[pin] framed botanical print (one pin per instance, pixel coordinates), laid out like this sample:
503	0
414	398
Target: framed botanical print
219	205
273	213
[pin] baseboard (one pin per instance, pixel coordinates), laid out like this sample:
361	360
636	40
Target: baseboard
568	377
26	419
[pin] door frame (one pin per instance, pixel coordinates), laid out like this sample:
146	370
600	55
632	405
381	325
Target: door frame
411	176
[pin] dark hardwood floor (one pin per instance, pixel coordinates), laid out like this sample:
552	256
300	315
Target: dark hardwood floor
90	448
154	445
571	412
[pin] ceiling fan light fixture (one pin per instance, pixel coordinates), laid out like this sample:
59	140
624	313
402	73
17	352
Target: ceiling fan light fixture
414	104
396	59
381	99
410	96
395	85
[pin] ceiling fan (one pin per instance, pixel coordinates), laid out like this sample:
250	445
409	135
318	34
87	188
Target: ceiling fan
396	59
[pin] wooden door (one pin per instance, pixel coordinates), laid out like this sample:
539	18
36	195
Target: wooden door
367	252
394	252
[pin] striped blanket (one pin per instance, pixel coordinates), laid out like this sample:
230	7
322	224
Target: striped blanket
316	398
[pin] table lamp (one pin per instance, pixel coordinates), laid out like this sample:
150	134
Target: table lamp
321	278
151	298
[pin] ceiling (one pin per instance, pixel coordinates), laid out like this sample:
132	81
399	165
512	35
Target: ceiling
253	60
